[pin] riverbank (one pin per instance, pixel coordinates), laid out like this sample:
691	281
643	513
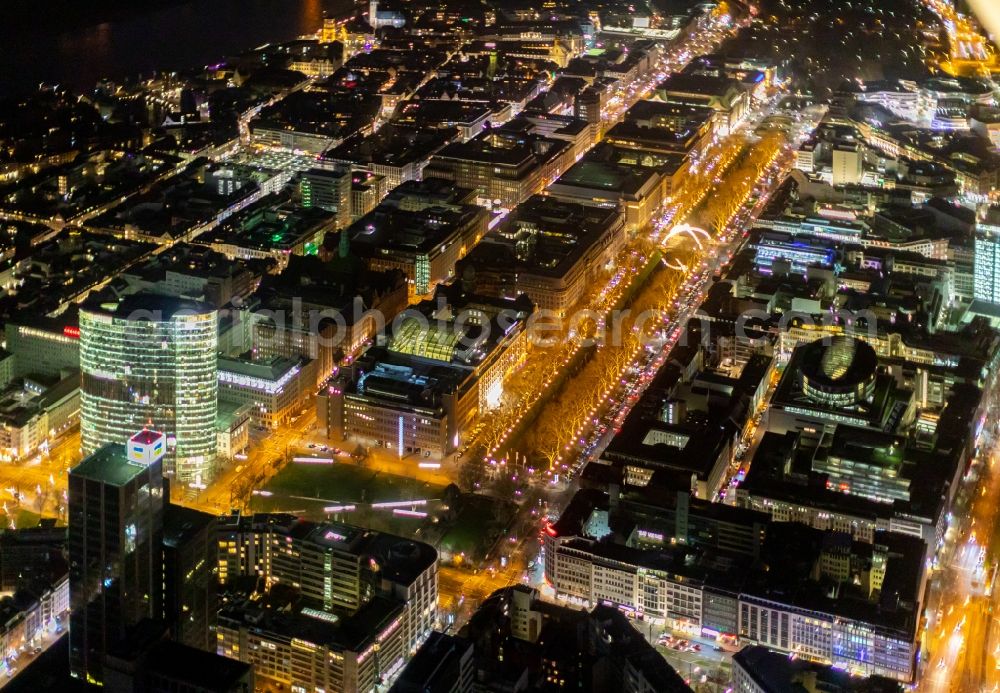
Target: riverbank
60	15
151	35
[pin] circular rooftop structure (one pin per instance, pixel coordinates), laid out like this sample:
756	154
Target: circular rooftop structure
838	372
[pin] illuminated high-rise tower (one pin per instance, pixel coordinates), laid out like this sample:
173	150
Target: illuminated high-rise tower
151	360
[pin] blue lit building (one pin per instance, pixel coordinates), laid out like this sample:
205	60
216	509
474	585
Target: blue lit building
800	251
986	268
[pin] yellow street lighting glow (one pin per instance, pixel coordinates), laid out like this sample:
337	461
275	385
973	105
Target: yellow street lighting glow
988	13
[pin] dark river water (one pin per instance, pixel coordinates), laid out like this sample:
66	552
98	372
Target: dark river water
176	35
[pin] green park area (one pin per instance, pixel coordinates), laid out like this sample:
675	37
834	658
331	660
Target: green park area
307	489
475	526
456	523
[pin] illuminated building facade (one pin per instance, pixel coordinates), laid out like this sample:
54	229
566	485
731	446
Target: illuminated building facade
838	381
836	457
272	230
189	580
275	389
420	393
547	249
365	600
316	651
411	406
748	601
115	544
323	316
986	272
329	190
421	228
799	252
34	412
152	360
504	169
43	346
637	191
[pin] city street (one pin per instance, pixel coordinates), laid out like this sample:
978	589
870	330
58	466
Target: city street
960	641
462	588
560	275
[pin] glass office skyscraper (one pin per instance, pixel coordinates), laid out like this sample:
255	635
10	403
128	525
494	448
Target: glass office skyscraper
987	264
151	360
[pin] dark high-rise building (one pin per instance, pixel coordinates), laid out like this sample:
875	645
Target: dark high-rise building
190	558
148	662
115	547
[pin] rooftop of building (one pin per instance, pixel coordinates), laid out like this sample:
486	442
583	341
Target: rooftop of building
410	220
392	145
782	470
271	224
406	380
181	523
171	207
109	465
145	437
25	398
560	234
639	156
500	148
287	617
273	369
90	181
560	125
419	59
715	405
330	281
399	560
188	259
663	494
57	325
792	551
686	563
151	306
452	339
63	267
337	535
442	112
229	413
332	114
594	646
783	571
658	111
504	89
842	380
605	176
434	667
704	85
843	362
655	137
692	446
775	672
171	660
